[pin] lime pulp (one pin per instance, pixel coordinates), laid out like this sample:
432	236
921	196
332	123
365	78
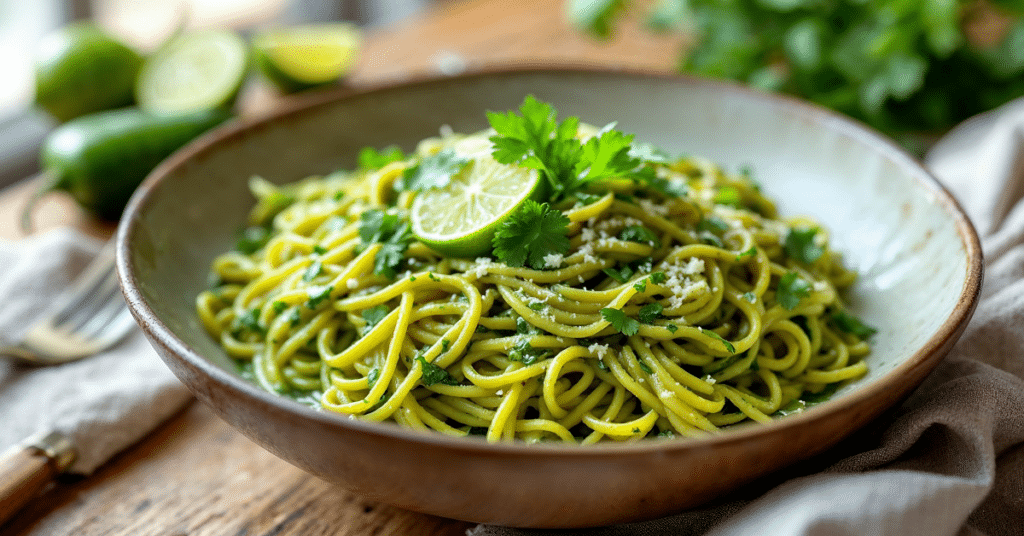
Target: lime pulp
460	219
301	57
194	71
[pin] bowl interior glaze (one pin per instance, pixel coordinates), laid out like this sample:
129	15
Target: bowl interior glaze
918	257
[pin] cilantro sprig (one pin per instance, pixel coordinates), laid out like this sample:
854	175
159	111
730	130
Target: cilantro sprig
530	234
391	231
536	139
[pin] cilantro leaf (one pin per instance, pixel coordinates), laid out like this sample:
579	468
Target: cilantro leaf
668	188
621	275
372	376
317	295
526	354
373	316
713	335
792	288
607	156
800	245
434	171
618	319
434	374
379	226
251	239
658	278
641	234
251	321
848	323
712	224
533	232
315	269
370	158
650	312
752	252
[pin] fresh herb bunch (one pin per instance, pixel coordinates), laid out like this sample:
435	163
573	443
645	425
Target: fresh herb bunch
900	66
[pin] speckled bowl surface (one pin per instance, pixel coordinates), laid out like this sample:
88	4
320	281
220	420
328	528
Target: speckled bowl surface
918	256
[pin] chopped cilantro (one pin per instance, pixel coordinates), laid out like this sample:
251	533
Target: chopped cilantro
650	312
251	239
640	286
748	253
848	323
712	224
523	352
370	158
532	233
537	306
433	277
314	270
392	232
658	278
445	343
295	317
621	275
587	199
641	234
251	321
672	328
668	188
373	316
525	328
372	376
434	171
434	374
713	335
319	250
618	319
792	288
279	306
645	367
636	430
800	245
317	295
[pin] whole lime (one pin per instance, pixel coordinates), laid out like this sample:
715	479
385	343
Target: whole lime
80	69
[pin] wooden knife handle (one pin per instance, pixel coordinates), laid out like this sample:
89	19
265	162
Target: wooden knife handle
26	468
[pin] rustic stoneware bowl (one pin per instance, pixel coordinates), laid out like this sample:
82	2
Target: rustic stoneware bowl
917	253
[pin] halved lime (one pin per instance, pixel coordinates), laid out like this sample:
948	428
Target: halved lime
461	218
194	71
80	69
301	57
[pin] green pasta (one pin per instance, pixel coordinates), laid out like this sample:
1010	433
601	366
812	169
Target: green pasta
681	304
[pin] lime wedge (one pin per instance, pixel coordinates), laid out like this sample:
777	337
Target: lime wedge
311	55
460	219
193	71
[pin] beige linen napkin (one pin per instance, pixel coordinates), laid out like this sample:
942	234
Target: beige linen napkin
104	403
950	460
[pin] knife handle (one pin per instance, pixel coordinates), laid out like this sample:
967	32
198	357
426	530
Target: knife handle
29	466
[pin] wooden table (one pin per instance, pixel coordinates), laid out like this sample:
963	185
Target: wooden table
195	475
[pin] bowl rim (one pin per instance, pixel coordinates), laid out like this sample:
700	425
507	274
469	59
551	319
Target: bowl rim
925	355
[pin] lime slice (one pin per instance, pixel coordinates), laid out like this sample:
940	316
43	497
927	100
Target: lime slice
80	69
302	57
460	219
193	71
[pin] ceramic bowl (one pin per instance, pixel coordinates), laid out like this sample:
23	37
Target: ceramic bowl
918	257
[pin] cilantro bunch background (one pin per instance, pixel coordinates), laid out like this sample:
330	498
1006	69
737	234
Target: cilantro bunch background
901	66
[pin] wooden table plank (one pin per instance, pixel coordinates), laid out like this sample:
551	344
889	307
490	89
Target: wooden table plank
195	475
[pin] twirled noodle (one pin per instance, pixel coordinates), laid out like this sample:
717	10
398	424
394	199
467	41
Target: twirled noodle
473	346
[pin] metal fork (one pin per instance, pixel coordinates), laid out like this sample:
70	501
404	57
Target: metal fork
87	318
